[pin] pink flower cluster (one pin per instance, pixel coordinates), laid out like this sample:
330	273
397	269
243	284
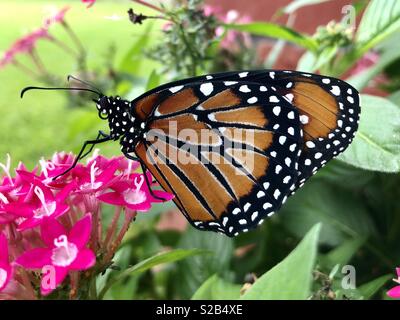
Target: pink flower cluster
89	2
55	226
232	16
27	43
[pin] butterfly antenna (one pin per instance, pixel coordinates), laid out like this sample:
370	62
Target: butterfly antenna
83	82
59	88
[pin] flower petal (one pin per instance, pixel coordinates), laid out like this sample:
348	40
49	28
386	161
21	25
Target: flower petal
85	260
112	198
48	284
120	186
162	194
60	210
65	192
144	206
29	224
394	292
51	229
3	249
35	258
5	275
80	232
19	209
109	171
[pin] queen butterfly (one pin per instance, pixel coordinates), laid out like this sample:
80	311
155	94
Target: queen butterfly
259	135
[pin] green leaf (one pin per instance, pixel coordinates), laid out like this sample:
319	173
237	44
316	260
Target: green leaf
215	288
342	255
380	19
276	31
376	146
367	290
309	62
133	59
291	278
395	97
342	213
297	4
325	57
164	257
347	176
306	62
192	272
153	81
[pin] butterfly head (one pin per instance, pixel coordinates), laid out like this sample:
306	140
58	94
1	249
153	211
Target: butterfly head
117	112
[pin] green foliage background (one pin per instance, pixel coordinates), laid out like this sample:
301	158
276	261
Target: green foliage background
349	213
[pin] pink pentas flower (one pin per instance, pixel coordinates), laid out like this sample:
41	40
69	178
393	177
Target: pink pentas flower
94	178
64	251
57	165
134	194
39	204
25	44
89	2
57	17
368	60
209	10
5	266
8	57
5	216
14	187
395	291
232	16
127	166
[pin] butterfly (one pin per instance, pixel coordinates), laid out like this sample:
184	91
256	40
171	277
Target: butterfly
232	146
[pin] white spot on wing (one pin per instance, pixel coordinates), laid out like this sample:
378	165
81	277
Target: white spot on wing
335	90
252	100
273	99
230	83
207	88
276	110
244	88
175	89
304	119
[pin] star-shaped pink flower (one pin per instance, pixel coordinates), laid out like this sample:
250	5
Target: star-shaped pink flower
64	250
96	176
134	194
39	204
395	291
89	2
58	17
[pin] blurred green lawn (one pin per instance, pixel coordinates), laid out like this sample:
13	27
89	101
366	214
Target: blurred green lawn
40	124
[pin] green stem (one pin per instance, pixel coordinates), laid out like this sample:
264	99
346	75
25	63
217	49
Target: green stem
38	62
192	53
93	289
25	69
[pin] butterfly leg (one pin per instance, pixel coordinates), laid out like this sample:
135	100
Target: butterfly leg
100	134
148	182
79	157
